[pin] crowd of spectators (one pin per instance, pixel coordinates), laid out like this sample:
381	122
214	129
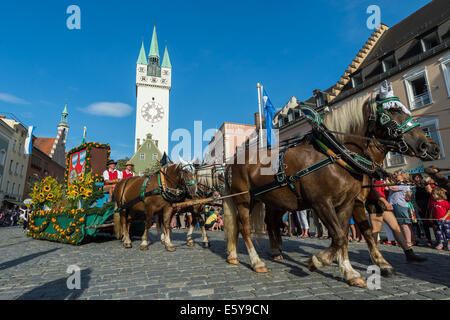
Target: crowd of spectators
411	209
14	217
211	215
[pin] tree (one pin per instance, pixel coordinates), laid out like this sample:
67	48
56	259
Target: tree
155	166
121	163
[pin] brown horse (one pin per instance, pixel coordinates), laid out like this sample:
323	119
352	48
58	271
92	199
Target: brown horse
377	151
330	191
153	195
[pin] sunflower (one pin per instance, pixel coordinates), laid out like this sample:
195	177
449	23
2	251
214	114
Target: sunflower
35	188
50	196
47	188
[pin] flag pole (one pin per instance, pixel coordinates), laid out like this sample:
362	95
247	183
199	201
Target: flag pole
259	86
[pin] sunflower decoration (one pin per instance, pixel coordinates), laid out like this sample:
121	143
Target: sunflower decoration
81	187
46	192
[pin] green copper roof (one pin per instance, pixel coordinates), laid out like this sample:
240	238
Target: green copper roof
154	51
65	109
142	58
64	115
166	59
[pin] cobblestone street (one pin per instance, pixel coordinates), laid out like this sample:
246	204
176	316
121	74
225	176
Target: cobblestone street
36	269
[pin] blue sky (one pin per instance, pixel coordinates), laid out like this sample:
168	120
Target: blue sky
219	50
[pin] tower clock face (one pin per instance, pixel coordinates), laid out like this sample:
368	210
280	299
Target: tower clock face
152	112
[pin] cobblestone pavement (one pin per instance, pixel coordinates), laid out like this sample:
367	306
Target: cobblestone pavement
36	269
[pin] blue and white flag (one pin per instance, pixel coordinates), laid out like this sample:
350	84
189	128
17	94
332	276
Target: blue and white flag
29	141
269	114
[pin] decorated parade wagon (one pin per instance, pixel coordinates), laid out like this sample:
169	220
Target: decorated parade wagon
75	211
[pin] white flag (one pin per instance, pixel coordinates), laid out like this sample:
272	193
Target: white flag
29	141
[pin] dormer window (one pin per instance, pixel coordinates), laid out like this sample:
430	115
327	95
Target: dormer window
388	63
356	80
280	122
430	41
290	116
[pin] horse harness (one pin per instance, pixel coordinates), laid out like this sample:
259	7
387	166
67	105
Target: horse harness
337	152
168	194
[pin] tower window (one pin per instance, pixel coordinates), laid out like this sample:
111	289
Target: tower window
142	156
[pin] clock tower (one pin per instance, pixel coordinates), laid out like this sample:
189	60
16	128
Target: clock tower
153	83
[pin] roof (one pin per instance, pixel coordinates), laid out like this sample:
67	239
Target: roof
166	60
44	144
421	21
142	59
154	51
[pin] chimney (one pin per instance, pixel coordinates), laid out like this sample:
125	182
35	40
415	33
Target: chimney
138	143
2	116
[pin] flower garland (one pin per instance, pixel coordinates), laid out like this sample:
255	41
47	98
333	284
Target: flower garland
73	234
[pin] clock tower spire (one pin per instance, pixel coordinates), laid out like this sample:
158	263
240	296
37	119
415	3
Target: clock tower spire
153	84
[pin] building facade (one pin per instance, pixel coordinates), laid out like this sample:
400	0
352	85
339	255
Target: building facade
48	156
414	56
6	132
15	164
153	84
146	157
226	141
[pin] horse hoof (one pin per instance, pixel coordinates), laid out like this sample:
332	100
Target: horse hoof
278	257
170	248
388	272
206	245
163	242
190	243
143	248
357	282
127	245
261	270
311	266
233	261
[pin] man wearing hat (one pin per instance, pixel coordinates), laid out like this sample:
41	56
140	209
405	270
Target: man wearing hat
111	177
128	172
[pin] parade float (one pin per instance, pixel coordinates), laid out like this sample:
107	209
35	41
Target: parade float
75	211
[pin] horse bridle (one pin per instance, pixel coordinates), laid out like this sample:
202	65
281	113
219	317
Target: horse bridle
192	171
395	131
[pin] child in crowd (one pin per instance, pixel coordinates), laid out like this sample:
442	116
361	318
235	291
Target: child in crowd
441	214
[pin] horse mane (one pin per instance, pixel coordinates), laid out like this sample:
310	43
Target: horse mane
349	117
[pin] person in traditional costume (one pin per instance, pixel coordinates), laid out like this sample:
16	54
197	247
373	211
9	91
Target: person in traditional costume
128	172
111	177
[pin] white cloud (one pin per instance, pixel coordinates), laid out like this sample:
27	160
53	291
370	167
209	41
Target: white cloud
109	109
12	99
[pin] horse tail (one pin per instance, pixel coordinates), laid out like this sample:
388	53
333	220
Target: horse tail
257	219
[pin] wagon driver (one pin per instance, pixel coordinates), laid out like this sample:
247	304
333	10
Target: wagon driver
111	177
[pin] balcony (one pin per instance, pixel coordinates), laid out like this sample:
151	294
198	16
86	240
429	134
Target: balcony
421	100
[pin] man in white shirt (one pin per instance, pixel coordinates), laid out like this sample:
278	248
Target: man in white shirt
111	177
